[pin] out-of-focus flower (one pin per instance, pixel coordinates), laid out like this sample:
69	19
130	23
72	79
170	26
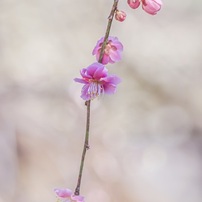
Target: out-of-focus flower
112	52
150	6
120	15
77	198
97	81
63	193
66	195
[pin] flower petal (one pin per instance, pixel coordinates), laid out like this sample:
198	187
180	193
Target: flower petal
77	198
98	46
100	72
80	80
115	56
92	68
84	92
84	74
109	88
112	79
105	59
63	193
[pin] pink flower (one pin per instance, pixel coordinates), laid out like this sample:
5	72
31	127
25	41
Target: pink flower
66	195
120	15
112	52
96	81
150	6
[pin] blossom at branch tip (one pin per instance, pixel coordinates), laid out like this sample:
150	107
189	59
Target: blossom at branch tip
66	195
120	15
112	52
150	6
97	81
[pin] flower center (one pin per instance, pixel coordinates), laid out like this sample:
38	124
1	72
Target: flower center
109	47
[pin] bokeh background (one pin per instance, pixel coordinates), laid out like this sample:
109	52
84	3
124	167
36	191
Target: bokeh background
146	140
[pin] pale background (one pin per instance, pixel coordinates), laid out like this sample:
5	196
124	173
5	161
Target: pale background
146	140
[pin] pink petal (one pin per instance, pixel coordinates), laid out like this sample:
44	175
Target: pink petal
109	88
110	84
115	42
63	193
112	79
100	72
77	198
84	92
80	80
115	56
97	55
92	69
112	39
118	45
84	74
95	50
105	59
98	46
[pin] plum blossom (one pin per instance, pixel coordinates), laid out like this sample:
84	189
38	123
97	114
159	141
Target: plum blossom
97	81
66	195
150	6
120	15
112	52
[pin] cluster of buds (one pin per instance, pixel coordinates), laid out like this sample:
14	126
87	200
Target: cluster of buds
95	77
150	6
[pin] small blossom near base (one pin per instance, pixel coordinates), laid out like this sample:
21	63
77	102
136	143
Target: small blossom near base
112	52
97	81
66	195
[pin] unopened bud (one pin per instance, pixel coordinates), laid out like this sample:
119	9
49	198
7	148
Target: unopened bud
120	15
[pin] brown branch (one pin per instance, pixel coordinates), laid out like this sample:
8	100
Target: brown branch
86	142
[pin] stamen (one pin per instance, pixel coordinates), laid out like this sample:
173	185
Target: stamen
95	89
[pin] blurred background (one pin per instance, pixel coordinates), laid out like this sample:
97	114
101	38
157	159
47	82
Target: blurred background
146	140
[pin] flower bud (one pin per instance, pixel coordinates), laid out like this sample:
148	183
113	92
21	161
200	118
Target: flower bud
151	6
134	3
120	15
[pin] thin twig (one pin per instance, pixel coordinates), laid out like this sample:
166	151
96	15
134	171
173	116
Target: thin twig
85	147
87	103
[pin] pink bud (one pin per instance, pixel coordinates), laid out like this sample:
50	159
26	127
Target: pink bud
151	6
120	15
134	3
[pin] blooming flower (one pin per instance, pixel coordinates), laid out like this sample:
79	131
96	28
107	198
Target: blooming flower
97	81
150	6
120	15
66	195
112	52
